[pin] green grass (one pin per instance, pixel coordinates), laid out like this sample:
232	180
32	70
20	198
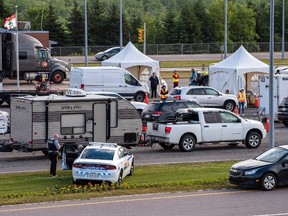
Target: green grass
30	187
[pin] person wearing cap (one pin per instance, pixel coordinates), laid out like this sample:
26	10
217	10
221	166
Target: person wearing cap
241	101
154	82
175	79
53	147
163	93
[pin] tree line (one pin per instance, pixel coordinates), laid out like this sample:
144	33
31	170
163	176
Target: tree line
167	21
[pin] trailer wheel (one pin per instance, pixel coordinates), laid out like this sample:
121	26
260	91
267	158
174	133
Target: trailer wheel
57	77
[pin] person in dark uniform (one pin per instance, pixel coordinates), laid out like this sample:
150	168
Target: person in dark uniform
154	82
53	151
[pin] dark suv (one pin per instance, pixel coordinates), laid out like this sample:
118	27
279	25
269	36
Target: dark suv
165	109
283	112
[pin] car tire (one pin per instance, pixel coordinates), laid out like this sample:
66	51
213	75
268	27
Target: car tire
285	123
268	182
132	169
57	77
140	96
229	105
120	178
104	58
253	140
167	145
187	143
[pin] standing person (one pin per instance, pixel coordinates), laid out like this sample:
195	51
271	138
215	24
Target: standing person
175	79
193	77
154	82
163	93
53	146
241	101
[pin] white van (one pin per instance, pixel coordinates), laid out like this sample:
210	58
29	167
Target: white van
112	79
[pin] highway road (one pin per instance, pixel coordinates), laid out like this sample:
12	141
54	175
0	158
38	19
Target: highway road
225	202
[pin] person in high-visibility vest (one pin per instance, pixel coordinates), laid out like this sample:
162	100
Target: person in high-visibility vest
163	93
175	79
241	101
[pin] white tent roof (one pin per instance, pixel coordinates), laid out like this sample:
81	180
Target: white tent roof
130	56
229	73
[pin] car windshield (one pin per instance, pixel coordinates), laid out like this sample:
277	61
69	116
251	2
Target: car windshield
98	154
175	91
273	155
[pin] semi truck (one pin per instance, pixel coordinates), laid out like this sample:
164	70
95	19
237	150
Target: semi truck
34	59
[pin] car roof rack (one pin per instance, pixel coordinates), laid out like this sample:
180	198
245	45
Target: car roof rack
103	144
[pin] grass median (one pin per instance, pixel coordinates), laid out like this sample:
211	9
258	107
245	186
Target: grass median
39	187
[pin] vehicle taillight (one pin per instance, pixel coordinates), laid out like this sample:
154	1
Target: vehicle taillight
158	113
168	130
78	165
144	128
109	167
82	86
177	97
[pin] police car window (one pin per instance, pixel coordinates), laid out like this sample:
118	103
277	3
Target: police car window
99	154
211	117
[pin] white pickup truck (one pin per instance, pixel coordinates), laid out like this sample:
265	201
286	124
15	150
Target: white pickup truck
205	125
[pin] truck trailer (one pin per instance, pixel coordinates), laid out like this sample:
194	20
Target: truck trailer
34	59
77	118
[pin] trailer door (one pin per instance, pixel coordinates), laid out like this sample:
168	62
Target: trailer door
100	125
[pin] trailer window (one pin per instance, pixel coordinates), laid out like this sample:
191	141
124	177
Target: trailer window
73	124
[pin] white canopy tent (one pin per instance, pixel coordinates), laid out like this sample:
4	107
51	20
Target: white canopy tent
230	73
140	65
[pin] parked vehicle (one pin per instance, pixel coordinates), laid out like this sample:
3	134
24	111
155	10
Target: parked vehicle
34	59
165	109
106	54
267	171
206	96
283	111
4	122
76	117
112	79
98	162
205	125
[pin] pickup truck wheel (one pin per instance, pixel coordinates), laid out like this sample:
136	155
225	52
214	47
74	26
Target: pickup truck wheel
253	140
187	143
229	105
57	77
166	145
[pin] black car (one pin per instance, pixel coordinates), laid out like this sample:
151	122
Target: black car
165	109
267	171
283	112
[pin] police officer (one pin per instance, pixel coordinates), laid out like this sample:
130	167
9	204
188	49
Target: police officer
53	146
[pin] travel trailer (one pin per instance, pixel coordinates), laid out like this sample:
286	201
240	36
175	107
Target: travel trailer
76	117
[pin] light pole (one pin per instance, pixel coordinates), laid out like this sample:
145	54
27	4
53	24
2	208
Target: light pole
86	34
283	29
121	27
271	76
225	30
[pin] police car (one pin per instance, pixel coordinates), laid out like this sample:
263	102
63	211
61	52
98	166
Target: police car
99	162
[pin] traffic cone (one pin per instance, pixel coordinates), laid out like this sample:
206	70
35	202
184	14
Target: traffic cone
146	100
267	125
236	110
256	104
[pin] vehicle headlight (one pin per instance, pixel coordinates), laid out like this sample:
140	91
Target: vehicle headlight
251	172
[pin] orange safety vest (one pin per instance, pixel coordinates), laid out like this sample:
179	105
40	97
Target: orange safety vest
241	97
163	94
175	78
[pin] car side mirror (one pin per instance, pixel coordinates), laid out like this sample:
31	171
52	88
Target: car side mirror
284	162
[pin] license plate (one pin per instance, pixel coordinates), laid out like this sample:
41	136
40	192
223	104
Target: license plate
94	175
155	126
